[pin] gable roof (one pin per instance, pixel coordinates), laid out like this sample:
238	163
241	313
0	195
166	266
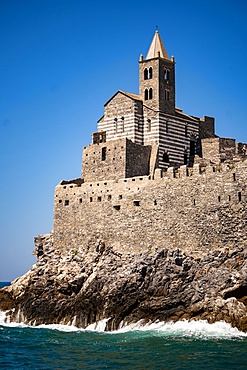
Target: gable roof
129	95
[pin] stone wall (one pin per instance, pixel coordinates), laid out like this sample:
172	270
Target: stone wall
194	213
218	149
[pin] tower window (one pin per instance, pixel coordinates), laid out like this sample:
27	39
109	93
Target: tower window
166	74
103	154
145	74
146	94
150	73
165	157
151	93
167	95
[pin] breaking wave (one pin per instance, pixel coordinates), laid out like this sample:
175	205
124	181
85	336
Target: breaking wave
200	329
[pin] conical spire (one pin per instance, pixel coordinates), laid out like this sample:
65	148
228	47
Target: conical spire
157	48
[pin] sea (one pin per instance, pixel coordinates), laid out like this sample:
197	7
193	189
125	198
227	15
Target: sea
184	345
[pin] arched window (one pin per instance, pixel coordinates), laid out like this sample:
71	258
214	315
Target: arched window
145	74
150	73
149	125
146	94
165	157
166	74
151	93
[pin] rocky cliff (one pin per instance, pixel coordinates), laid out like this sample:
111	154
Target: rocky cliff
90	284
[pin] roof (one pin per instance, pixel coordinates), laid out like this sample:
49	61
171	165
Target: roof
180	113
157	46
129	95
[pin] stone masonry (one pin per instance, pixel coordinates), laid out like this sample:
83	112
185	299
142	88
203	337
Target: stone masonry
154	175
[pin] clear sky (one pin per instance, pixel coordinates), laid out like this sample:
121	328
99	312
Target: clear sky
61	60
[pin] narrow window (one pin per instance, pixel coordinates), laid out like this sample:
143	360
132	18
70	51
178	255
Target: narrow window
66	203
122	118
219	198
166	74
165	157
239	196
194	202
103	154
90	199
155	202
167	95
80	200
234	176
229	198
151	93
186	130
150	73
149	125
146	94
145	74
120	196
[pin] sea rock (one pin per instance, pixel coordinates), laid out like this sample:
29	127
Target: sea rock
90	284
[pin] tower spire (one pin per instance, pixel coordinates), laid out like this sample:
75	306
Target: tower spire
157	48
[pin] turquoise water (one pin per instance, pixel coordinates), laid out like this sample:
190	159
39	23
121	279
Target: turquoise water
180	346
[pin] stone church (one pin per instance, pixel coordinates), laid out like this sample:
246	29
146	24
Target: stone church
149	126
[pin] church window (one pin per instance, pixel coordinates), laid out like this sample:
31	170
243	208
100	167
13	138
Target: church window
149	125
151	93
116	125
186	130
145	74
166	74
167	95
103	154
146	94
165	157
150	73
122	118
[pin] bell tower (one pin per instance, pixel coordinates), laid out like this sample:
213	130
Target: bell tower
157	78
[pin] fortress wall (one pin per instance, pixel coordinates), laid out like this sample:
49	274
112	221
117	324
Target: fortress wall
194	213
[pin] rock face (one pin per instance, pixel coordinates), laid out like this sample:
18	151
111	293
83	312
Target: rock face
85	286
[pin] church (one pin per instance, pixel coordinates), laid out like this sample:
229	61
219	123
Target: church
149	125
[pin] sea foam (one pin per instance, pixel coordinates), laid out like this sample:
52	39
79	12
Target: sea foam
200	329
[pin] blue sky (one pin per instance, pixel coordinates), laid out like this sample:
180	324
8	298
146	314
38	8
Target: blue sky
61	60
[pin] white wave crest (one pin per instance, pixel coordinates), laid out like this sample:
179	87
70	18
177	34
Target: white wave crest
200	329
